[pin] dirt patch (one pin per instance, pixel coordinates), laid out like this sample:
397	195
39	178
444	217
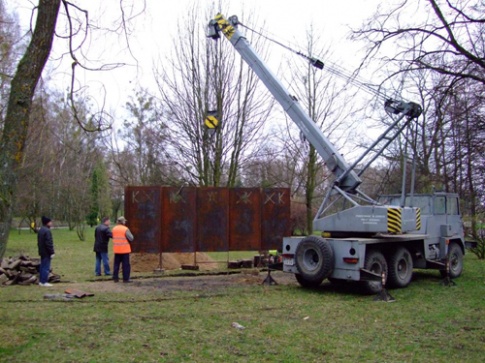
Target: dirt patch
213	283
148	262
199	283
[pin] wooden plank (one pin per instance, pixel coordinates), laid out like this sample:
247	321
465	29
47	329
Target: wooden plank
78	293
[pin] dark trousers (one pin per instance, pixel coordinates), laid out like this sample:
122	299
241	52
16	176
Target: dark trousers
122	259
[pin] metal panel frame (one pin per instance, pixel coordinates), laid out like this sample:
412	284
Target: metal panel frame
207	219
143	210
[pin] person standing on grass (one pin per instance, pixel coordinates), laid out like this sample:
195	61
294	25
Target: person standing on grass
45	244
102	234
122	238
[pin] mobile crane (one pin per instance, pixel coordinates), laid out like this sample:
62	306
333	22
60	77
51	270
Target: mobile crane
373	242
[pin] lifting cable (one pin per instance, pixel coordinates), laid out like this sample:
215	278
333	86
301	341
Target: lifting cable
330	66
336	70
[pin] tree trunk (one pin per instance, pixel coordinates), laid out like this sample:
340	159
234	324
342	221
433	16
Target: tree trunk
17	118
469	175
310	188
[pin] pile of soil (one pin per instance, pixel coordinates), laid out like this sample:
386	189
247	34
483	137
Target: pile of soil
148	262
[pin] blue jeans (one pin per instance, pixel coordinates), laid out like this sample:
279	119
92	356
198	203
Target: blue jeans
44	268
123	260
102	256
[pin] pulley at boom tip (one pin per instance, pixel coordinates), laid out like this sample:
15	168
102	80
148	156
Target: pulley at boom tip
213	33
410	109
317	63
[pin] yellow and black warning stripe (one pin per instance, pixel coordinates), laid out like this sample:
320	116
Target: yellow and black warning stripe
225	26
394	220
418	219
211	122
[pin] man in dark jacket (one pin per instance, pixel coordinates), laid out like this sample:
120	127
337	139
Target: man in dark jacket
45	244
102	234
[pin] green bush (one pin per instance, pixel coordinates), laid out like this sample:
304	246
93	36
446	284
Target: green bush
479	250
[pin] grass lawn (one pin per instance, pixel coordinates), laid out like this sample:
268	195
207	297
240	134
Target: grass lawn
428	322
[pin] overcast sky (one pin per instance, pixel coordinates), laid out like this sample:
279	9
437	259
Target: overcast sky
153	31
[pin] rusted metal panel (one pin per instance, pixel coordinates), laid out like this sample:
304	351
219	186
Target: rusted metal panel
179	219
244	219
169	219
212	219
144	214
275	217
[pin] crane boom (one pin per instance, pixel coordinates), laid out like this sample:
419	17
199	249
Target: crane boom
313	134
358	219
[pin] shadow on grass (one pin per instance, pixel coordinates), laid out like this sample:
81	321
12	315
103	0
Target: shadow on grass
353	288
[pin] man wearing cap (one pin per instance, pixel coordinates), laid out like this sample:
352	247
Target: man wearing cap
102	234
45	244
122	238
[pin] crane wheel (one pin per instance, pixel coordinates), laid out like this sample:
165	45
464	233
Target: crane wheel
308	284
455	260
375	262
400	268
314	261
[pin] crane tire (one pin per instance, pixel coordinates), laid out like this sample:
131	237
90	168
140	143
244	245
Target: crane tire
455	258
374	262
308	284
400	268
314	261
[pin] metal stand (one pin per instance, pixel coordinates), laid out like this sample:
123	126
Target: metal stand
269	280
384	295
159	269
447	281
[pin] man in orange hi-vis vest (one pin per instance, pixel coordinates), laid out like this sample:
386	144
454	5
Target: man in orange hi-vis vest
122	238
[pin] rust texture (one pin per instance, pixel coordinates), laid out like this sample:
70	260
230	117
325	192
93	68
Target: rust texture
210	219
213	219
178	219
143	210
275	220
244	219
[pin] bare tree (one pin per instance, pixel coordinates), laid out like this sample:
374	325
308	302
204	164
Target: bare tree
324	97
21	93
274	166
141	159
58	161
10	42
440	43
444	36
420	143
463	154
202	76
17	118
33	184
